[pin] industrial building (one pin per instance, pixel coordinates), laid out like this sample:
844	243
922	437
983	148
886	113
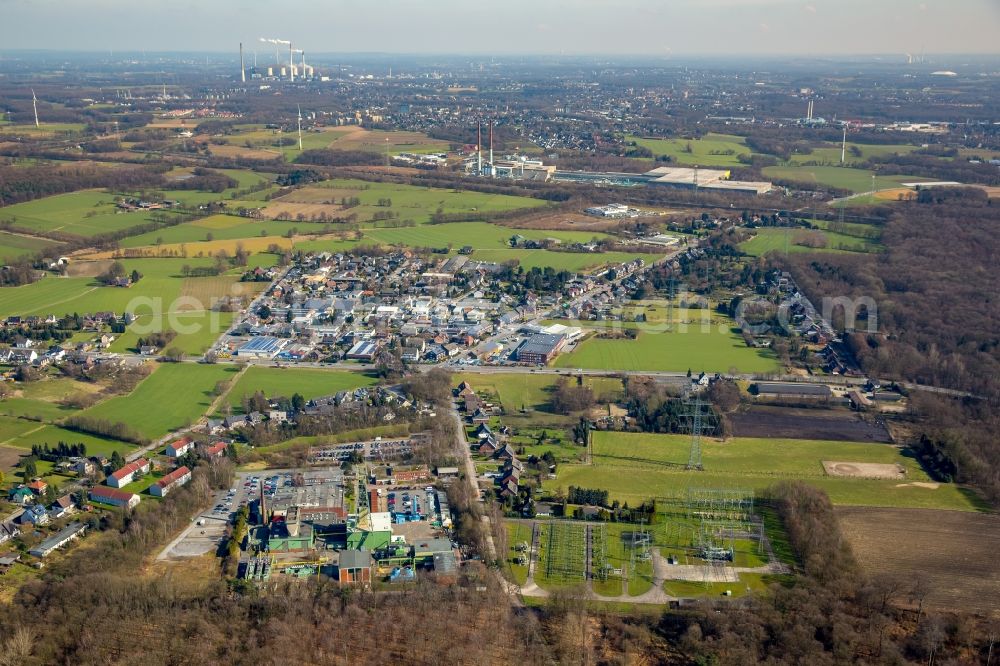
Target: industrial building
693	178
263	347
363	351
792	391
513	167
354	566
540	348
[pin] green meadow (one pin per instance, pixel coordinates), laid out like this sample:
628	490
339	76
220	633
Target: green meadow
773	239
309	383
174	396
711	348
634	467
712	150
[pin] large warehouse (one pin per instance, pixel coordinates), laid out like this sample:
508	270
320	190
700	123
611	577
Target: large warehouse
262	347
541	348
680	177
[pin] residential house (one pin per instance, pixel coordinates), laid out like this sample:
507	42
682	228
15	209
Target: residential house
113	496
64	506
179	447
505	453
20	496
38	487
216	450
36	515
128	473
175	479
83	467
8	530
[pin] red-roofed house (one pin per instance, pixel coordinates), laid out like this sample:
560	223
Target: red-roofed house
128	473
175	479
112	496
179	447
38	487
216	450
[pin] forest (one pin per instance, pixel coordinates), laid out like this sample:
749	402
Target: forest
938	319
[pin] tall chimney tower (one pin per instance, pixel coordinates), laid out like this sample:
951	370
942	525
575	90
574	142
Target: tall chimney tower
492	171
291	63
479	150
243	68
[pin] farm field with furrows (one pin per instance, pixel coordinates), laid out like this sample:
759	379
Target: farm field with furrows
952	554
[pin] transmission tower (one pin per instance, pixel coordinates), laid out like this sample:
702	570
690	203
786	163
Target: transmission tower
694	457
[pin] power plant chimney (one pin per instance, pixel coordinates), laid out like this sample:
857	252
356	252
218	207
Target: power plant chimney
479	150
291	63
492	170
243	68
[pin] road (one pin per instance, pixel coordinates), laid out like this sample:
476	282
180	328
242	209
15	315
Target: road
471	477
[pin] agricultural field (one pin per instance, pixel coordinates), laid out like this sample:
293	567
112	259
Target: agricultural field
783	240
12	428
478	235
713	347
712	150
635	467
85	213
310	383
953	553
174	396
215	227
162	284
855	180
39	400
411	202
13	246
45	130
829	153
358	138
577	262
532	393
52	435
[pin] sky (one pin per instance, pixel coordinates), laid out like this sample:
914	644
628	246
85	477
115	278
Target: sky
502	27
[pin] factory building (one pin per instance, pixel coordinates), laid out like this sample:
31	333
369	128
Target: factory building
540	348
264	347
693	178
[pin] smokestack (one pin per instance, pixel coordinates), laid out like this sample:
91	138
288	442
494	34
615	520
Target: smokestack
492	171
263	511
243	68
291	63
479	150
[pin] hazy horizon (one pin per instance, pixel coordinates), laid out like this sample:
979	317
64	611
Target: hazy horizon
810	28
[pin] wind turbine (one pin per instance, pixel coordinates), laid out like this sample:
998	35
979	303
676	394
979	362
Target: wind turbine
34	104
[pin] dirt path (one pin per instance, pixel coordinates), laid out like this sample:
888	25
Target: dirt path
23	434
